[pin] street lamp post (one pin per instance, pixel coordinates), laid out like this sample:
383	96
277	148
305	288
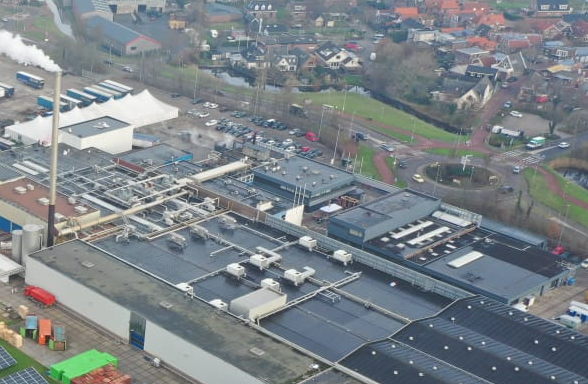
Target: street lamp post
336	143
413	129
562	225
321	122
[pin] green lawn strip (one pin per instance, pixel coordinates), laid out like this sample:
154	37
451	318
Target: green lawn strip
392	163
570	188
369	108
365	163
47	24
451	152
23	361
539	190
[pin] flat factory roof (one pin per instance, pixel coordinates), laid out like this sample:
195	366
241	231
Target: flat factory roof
95	127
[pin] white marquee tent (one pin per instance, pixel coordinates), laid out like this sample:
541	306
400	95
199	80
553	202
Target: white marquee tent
137	110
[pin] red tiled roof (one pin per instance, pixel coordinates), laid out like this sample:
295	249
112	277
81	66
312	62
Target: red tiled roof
492	19
453	29
449	4
482	42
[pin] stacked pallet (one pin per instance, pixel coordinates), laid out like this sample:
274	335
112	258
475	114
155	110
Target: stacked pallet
23	311
15	340
106	374
7	334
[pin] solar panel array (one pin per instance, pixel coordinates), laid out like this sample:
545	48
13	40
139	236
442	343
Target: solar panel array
6	360
24	376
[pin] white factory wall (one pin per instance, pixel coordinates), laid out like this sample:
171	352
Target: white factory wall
20	217
79	298
115	141
191	360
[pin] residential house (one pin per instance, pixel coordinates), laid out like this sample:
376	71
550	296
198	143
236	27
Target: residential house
465	93
407	12
552	28
426	36
580	31
297	12
483	30
262	10
285	62
306	61
481	71
482	42
495	21
467	55
559	52
331	56
514	42
552	8
255	55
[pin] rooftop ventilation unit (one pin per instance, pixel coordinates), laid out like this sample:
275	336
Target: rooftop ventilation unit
236	269
101	125
165	304
296	277
271	284
20	190
71	200
30	187
307	242
343	256
177	242
186	288
87	264
80	209
59	217
198	232
43	201
264	262
219	304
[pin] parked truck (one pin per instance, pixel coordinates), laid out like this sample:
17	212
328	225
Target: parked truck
536	142
47	103
39	296
30	80
8	90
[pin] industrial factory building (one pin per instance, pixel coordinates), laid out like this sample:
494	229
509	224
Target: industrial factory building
119	39
447	242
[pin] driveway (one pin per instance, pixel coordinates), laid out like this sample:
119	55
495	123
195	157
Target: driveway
531	125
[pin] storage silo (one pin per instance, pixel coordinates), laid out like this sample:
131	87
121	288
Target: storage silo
31	240
17	245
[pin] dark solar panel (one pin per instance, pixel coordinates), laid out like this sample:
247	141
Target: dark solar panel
6	360
24	376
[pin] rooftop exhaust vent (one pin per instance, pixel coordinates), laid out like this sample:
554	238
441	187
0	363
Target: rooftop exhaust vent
165	304
30	187
80	209
20	190
102	125
87	264
43	201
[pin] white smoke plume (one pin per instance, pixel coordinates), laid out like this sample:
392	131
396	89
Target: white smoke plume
13	47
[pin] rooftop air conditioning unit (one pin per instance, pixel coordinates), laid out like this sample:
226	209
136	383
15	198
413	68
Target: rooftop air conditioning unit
80	209
59	217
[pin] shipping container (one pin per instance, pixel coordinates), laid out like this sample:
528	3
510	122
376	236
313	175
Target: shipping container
84	97
8	89
71	102
109	85
128	90
30	80
101	97
115	94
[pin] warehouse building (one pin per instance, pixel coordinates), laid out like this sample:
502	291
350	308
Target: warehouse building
105	133
85	9
118	39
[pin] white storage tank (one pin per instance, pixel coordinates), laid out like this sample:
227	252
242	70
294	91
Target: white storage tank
17	245
218	303
307	242
236	269
342	256
32	237
270	283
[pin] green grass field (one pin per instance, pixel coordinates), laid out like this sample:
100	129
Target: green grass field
365	163
539	190
378	112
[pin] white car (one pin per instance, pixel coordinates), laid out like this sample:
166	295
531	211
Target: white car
210	123
211	105
564	145
287	142
584	264
516	114
202	115
418	178
387	147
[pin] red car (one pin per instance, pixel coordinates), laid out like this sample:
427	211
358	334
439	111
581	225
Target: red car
558	250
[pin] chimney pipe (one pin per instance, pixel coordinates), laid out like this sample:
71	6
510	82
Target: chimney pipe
54	155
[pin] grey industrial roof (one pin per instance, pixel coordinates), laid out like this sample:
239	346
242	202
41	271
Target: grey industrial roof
115	31
192	320
304	173
95	127
397	204
87	6
217	9
516	233
474	340
7	174
157	156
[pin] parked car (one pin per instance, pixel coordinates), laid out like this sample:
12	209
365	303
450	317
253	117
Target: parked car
508	104
584	264
175	95
387	147
558	250
210	123
202	115
127	69
506	189
516	114
418	178
563	145
516	169
196	100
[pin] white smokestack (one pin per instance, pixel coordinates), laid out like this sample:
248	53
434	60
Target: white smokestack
13	47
